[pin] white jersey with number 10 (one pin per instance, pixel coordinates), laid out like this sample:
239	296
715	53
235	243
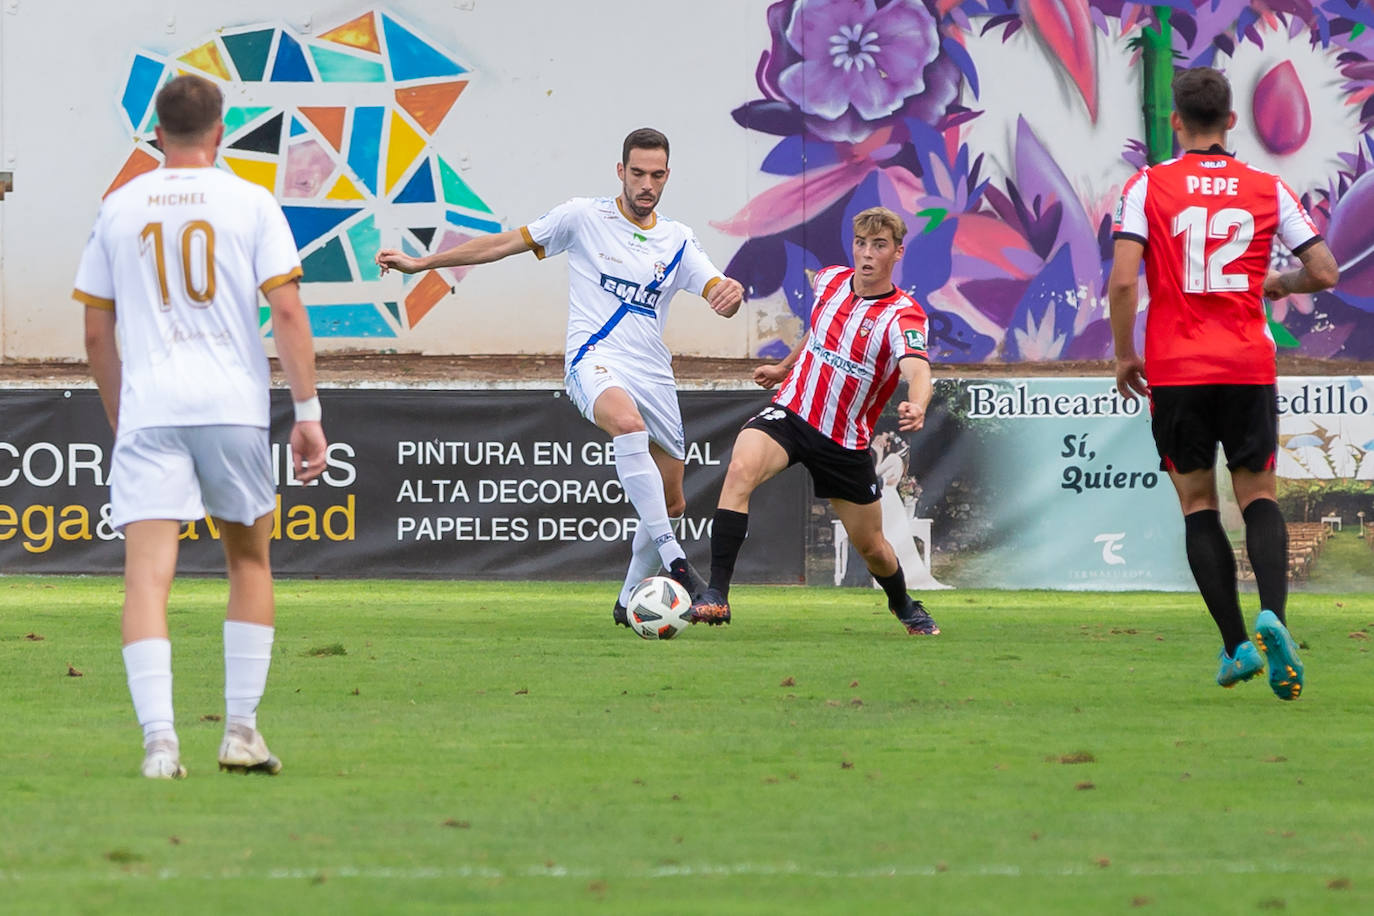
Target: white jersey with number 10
180	256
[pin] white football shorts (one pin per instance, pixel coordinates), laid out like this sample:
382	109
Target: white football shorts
657	402
187	472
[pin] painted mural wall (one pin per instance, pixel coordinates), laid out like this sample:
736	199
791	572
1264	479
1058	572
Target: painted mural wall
1002	131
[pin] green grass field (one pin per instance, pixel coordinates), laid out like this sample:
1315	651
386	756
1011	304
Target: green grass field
502	748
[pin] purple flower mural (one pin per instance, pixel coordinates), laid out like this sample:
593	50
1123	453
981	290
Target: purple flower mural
848	65
878	102
840	71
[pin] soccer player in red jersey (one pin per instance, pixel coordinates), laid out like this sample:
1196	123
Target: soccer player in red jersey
865	333
1204	225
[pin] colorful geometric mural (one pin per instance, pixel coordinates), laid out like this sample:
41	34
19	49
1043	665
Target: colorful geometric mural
971	118
334	166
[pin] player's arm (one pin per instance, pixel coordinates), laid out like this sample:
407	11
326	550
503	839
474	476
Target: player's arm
1319	271
296	351
481	250
773	373
911	413
102	352
1123	292
723	295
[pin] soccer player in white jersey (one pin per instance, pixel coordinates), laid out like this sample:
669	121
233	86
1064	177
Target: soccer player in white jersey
865	334
170	279
625	264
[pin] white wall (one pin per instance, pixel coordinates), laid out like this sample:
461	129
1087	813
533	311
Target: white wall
554	88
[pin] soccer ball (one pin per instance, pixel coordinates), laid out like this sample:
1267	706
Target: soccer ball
659	608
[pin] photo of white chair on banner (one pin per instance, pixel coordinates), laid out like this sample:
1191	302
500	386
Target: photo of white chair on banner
900	525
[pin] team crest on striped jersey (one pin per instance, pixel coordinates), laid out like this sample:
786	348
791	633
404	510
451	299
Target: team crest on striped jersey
865	326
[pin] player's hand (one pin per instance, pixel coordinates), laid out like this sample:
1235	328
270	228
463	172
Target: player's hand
1130	378
308	448
725	297
910	416
1273	285
390	258
770	375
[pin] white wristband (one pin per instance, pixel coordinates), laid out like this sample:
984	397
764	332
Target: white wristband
308	409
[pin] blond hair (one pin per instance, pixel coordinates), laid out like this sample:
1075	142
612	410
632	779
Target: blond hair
875	220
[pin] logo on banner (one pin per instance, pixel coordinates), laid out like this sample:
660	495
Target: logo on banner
1111	548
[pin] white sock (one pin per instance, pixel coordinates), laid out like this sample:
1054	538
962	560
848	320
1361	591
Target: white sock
247	656
148	663
644	562
644	486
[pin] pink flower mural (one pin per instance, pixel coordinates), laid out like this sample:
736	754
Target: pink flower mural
875	101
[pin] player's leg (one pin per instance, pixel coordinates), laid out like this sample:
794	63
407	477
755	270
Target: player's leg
1250	438
234	467
1266	541
863	522
150	559
756	457
644	557
1266	536
667	446
249	631
644	562
849	479
152	487
765	447
637	414
1184	424
615	412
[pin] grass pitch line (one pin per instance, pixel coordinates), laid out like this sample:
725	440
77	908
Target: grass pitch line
705	870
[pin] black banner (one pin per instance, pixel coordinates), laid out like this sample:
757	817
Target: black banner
461	484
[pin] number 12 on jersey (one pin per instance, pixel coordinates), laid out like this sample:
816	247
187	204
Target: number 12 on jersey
197	244
1207	274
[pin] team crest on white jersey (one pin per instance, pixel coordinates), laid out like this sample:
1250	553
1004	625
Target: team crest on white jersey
660	271
865	326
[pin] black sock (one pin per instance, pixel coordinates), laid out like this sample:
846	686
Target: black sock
728	530
895	587
1214	568
1266	540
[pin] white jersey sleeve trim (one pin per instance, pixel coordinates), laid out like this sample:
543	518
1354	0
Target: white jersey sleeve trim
1130	219
1296	228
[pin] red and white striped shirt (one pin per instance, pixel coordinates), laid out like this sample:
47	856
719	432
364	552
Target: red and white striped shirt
848	369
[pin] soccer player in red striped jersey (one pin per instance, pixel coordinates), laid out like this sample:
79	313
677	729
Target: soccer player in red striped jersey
1204	225
865	335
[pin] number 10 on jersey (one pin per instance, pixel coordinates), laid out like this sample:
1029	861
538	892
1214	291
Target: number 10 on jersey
197	249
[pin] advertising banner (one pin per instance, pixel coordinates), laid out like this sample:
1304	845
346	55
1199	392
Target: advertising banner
463	484
1055	483
1013	483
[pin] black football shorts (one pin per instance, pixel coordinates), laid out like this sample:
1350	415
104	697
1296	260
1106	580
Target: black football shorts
836	472
1189	421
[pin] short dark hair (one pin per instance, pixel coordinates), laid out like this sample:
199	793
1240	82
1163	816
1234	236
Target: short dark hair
1202	98
188	106
644	138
